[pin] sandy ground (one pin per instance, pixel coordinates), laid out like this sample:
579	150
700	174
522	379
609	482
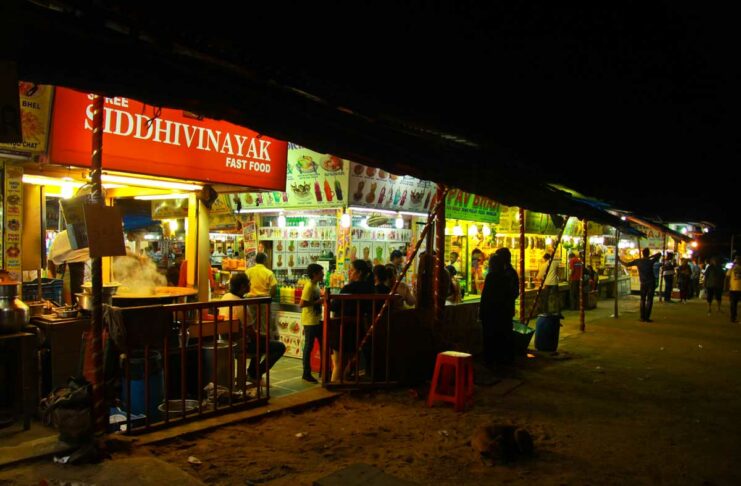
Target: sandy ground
624	403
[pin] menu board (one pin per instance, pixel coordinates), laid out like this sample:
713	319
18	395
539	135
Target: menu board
291	332
13	219
35	108
375	188
313	180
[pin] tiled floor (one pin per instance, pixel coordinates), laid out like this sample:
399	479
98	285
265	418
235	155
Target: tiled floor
285	378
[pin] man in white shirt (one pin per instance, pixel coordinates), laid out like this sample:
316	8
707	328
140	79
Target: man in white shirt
550	286
239	285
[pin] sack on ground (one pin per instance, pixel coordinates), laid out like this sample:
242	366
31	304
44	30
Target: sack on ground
68	409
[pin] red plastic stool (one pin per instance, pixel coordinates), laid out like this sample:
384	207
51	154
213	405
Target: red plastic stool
453	380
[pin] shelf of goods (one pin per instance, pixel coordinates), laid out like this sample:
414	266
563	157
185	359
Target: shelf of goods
376	244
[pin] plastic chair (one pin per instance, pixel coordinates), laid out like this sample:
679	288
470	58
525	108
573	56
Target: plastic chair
453	380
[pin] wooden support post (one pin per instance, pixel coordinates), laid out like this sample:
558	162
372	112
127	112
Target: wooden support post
582	303
548	269
522	265
617	269
100	412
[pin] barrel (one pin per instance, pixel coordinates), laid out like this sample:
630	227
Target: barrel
547	328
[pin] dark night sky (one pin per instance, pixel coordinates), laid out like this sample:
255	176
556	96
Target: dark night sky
633	102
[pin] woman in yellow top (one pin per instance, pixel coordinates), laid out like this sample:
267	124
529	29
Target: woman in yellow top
311	316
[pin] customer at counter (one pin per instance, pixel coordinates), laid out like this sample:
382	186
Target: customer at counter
262	279
550	283
311	316
407	295
239	285
497	309
397	260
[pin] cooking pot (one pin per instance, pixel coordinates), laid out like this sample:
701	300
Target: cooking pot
66	312
14	314
37	308
85	300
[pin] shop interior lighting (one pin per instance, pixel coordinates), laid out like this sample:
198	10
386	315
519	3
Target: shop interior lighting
549	241
684	231
68	189
371	210
448	231
157	184
257	210
301	224
312	223
399	222
50	181
412	213
345	220
473	230
486	230
364	223
705	230
157	197
623	218
281	220
694	244
457	230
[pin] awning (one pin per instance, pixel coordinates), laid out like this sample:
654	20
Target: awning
658	227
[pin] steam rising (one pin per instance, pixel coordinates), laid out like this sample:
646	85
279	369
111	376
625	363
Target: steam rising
137	275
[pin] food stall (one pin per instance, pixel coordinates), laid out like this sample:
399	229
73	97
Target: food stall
172	163
332	212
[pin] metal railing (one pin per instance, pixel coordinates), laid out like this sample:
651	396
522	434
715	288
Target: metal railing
196	337
360	330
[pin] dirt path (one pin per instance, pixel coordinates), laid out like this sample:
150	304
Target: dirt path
632	403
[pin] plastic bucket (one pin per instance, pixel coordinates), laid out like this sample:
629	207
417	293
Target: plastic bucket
521	337
547	329
137	405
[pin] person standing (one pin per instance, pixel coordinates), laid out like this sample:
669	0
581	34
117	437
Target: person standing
645	267
477	271
576	270
550	283
497	308
694	279
262	280
668	271
311	316
684	280
714	280
734	285
397	260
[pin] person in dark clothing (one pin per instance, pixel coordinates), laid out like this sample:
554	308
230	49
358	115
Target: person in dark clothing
645	267
684	280
497	309
668	270
380	279
714	282
360	283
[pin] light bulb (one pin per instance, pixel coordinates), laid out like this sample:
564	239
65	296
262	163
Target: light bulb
457	230
300	224
473	230
448	231
345	220
549	241
364	224
486	230
312	223
399	222
281	221
68	190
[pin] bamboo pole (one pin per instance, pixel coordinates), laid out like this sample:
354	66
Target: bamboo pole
522	264
100	414
439	294
661	272
582	322
548	268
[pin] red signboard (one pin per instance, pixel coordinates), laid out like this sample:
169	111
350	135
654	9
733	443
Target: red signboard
164	142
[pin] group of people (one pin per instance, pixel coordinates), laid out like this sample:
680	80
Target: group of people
688	274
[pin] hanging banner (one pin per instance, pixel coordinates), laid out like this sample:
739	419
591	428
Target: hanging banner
35	104
376	188
312	180
470	207
165	142
13	211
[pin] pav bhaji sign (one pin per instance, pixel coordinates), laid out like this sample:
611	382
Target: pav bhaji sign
165	142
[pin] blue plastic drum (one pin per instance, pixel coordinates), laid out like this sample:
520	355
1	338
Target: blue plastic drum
547	329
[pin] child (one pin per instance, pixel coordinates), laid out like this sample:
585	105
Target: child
311	316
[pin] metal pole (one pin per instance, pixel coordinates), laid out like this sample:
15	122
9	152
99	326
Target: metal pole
661	274
582	323
99	409
617	269
522	265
